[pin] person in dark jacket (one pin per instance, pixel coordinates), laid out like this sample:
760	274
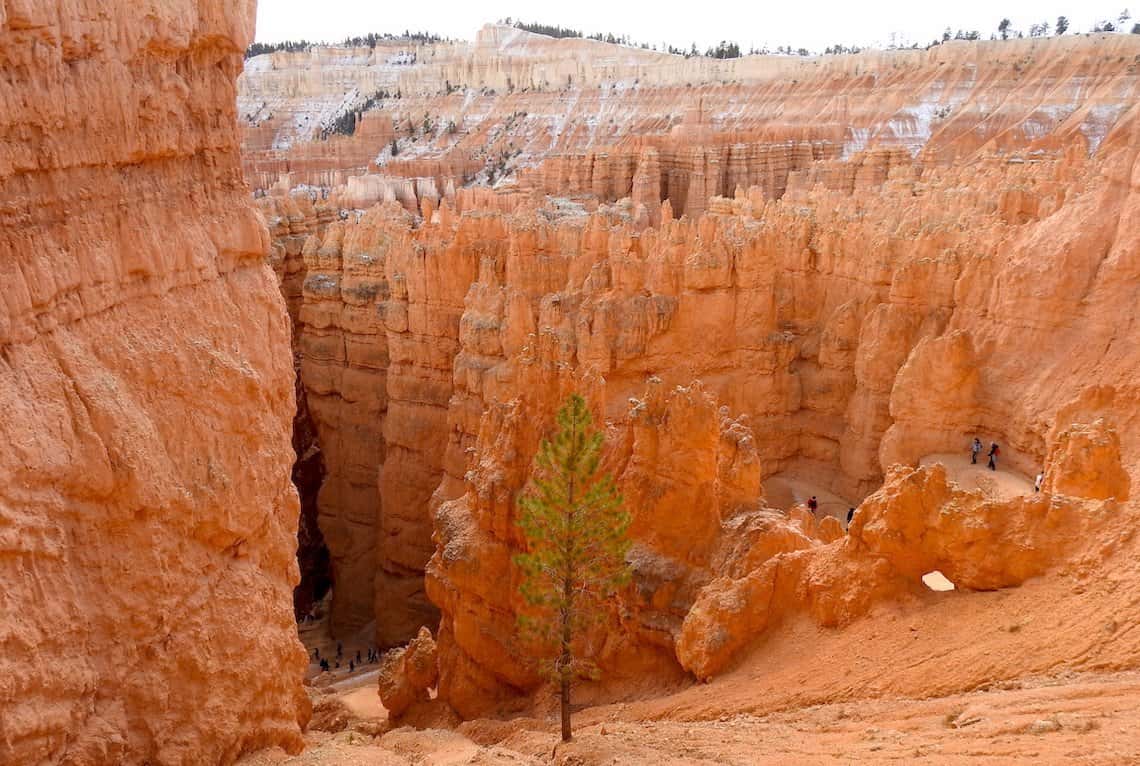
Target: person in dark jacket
994	452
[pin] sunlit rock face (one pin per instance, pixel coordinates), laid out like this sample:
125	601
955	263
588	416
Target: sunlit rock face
826	268
147	519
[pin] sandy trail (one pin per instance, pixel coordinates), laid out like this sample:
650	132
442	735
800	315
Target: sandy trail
1071	719
1001	484
315	634
785	490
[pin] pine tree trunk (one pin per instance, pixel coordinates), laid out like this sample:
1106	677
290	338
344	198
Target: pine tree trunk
565	708
564	662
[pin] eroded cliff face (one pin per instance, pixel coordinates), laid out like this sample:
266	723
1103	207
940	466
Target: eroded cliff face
822	278
147	519
846	353
577	116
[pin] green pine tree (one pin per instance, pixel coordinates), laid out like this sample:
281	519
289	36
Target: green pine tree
576	536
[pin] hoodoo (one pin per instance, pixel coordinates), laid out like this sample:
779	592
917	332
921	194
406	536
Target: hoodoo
823	274
147	519
279	343
866	248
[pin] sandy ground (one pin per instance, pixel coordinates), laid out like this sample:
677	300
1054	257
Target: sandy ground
1073	719
1001	484
315	635
784	490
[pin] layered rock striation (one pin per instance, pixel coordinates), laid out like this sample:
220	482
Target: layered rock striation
809	284
616	121
147	519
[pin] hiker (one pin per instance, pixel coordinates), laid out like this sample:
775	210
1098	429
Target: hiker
975	448
351	666
994	452
813	505
316	653
357	656
850	515
1038	482
325	666
339	650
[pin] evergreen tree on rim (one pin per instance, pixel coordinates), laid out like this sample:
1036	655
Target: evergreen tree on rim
576	535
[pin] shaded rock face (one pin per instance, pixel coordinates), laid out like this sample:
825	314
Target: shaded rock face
312	551
147	520
408	674
377	330
867	292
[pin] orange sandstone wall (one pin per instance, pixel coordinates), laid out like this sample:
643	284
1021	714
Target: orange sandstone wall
147	520
914	247
852	331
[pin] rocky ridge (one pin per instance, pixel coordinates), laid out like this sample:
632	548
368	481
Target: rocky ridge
631	122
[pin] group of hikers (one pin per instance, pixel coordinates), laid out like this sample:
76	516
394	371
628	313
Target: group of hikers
353	664
813	506
995	450
975	450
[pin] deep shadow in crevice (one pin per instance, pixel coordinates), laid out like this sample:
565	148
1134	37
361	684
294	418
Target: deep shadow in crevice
308	475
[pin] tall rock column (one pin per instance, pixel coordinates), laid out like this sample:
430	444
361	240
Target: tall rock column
147	519
429	269
343	363
647	184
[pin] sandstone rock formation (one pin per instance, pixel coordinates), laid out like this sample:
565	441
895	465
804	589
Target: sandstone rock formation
147	521
822	277
917	523
1086	462
407	674
581	117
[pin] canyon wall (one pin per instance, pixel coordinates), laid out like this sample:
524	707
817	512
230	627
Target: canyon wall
821	270
475	113
849	332
147	519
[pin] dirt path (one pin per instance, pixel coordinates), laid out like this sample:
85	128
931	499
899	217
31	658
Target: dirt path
1001	484
783	491
1072	719
315	634
1088	719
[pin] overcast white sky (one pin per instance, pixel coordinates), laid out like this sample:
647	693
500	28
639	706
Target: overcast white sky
812	24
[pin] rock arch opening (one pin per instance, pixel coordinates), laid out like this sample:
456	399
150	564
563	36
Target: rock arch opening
937	582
